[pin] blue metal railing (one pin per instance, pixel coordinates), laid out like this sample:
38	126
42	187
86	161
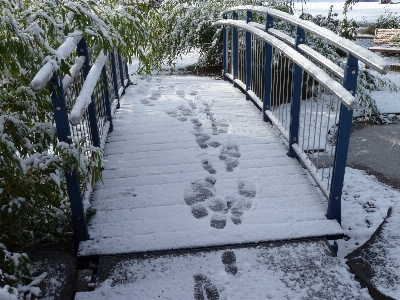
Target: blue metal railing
84	101
305	95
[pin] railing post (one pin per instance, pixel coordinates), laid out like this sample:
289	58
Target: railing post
267	71
107	101
225	49
127	73
94	129
121	73
235	50
342	143
296	96
248	56
115	79
63	133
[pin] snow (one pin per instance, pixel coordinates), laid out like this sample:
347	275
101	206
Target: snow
46	72
371	59
85	95
73	71
364	206
273	271
365	203
362	12
306	65
170	135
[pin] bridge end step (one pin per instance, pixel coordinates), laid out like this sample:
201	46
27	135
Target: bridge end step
275	269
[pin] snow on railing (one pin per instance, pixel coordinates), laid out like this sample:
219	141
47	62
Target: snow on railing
46	72
369	58
85	95
336	88
74	71
91	93
305	95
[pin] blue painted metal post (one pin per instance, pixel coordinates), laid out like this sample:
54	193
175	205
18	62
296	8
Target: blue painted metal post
248	56
225	50
267	71
63	133
115	78
235	50
121	73
94	129
296	96
107	101
342	143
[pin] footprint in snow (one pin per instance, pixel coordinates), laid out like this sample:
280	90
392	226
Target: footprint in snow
181	113
146	102
155	95
229	260
238	205
201	139
204	289
199	192
202	201
230	154
180	93
206	164
192	104
196	123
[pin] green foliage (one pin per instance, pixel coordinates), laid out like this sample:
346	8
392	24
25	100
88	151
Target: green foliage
389	20
15	277
34	206
185	24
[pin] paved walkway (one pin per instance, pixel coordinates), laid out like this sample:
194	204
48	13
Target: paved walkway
190	164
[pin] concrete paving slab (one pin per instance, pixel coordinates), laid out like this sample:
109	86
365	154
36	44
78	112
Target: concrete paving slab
376	149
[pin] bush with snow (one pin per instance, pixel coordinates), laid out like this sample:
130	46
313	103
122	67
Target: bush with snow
34	207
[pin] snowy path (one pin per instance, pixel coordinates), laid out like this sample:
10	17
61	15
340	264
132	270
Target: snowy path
191	164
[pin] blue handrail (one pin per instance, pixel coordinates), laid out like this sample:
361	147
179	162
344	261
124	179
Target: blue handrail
287	69
103	88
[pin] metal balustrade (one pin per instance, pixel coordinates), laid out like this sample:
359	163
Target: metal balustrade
101	80
305	95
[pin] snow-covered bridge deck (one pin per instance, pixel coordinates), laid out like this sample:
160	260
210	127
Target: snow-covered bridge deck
191	164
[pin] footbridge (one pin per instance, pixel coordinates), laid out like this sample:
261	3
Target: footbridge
243	173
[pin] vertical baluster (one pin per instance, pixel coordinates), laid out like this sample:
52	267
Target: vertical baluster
342	143
63	133
248	56
121	73
235	50
127	73
267	71
107	101
94	129
225	49
115	78
296	96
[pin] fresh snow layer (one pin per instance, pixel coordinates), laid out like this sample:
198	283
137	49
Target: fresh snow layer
365	203
191	164
303	270
385	262
362	12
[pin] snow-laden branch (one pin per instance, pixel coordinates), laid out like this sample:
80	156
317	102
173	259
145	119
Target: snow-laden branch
85	95
46	72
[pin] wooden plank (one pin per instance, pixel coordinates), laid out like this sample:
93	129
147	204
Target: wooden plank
384	49
158	193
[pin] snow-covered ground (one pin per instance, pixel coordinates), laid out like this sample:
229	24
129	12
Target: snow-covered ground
362	12
365	200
